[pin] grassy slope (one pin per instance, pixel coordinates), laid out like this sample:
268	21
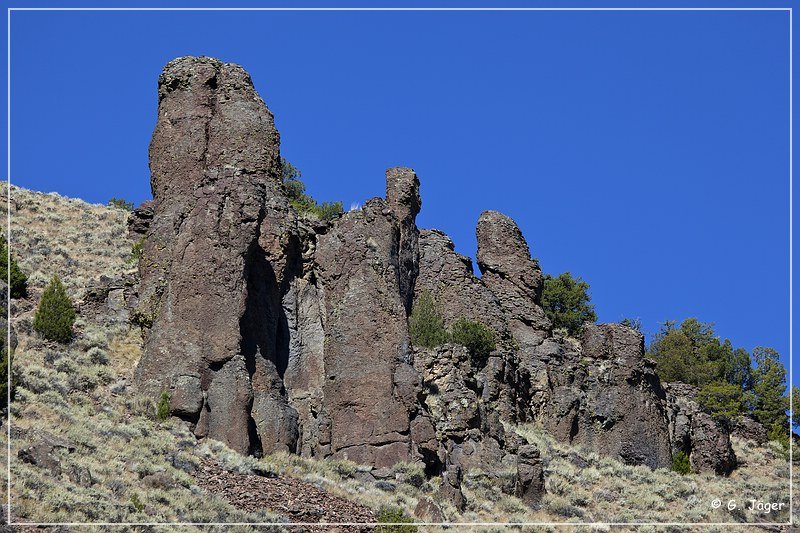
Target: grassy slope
80	392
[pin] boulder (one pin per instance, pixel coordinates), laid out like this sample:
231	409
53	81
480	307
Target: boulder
705	440
608	398
746	428
529	479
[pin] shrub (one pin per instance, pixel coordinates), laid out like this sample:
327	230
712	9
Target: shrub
680	463
394	515
56	314
566	302
10	271
136	502
5	362
426	324
721	400
295	191
476	337
137	250
162	409
120	203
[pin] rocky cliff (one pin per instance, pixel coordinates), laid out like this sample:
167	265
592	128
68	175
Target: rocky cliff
273	331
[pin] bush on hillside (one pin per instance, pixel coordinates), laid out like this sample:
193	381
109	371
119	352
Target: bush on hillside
426	324
476	337
10	271
120	203
56	313
680	463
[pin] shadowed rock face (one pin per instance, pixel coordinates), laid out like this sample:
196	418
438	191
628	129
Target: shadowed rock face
214	161
609	399
274	331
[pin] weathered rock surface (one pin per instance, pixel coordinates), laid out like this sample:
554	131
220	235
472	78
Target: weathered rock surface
274	331
214	161
746	428
516	280
370	386
609	398
696	433
529	482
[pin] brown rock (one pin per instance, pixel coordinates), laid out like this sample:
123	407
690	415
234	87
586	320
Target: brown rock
367	348
214	162
428	510
508	270
705	440
529	482
609	398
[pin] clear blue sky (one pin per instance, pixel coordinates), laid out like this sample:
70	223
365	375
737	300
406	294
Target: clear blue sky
647	152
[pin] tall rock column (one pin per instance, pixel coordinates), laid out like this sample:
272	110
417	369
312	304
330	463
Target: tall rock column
402	195
214	160
366	265
508	270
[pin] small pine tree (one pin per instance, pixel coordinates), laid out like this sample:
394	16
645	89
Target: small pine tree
56	314
397	521
10	271
476	337
162	409
426	324
769	386
566	302
721	400
680	463
5	362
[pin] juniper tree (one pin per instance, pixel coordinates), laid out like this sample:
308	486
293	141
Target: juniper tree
56	313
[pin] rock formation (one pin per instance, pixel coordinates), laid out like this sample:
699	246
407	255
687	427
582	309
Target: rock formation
271	330
705	440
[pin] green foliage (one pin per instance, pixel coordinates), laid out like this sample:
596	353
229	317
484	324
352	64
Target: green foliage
10	271
56	314
137	250
136	502
162	409
693	354
729	383
633	323
680	463
769	386
426	324
295	191
120	203
779	432
566	302
721	400
796	405
5	363
394	515
476	337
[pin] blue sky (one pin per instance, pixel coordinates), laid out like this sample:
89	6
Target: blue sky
647	152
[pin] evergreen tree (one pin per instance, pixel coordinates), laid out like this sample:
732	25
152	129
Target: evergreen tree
476	337
566	302
10	271
426	325
56	314
769	386
796	405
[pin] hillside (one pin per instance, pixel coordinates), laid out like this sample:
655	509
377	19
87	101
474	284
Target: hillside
116	462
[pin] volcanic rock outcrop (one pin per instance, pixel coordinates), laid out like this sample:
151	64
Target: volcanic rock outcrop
271	330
